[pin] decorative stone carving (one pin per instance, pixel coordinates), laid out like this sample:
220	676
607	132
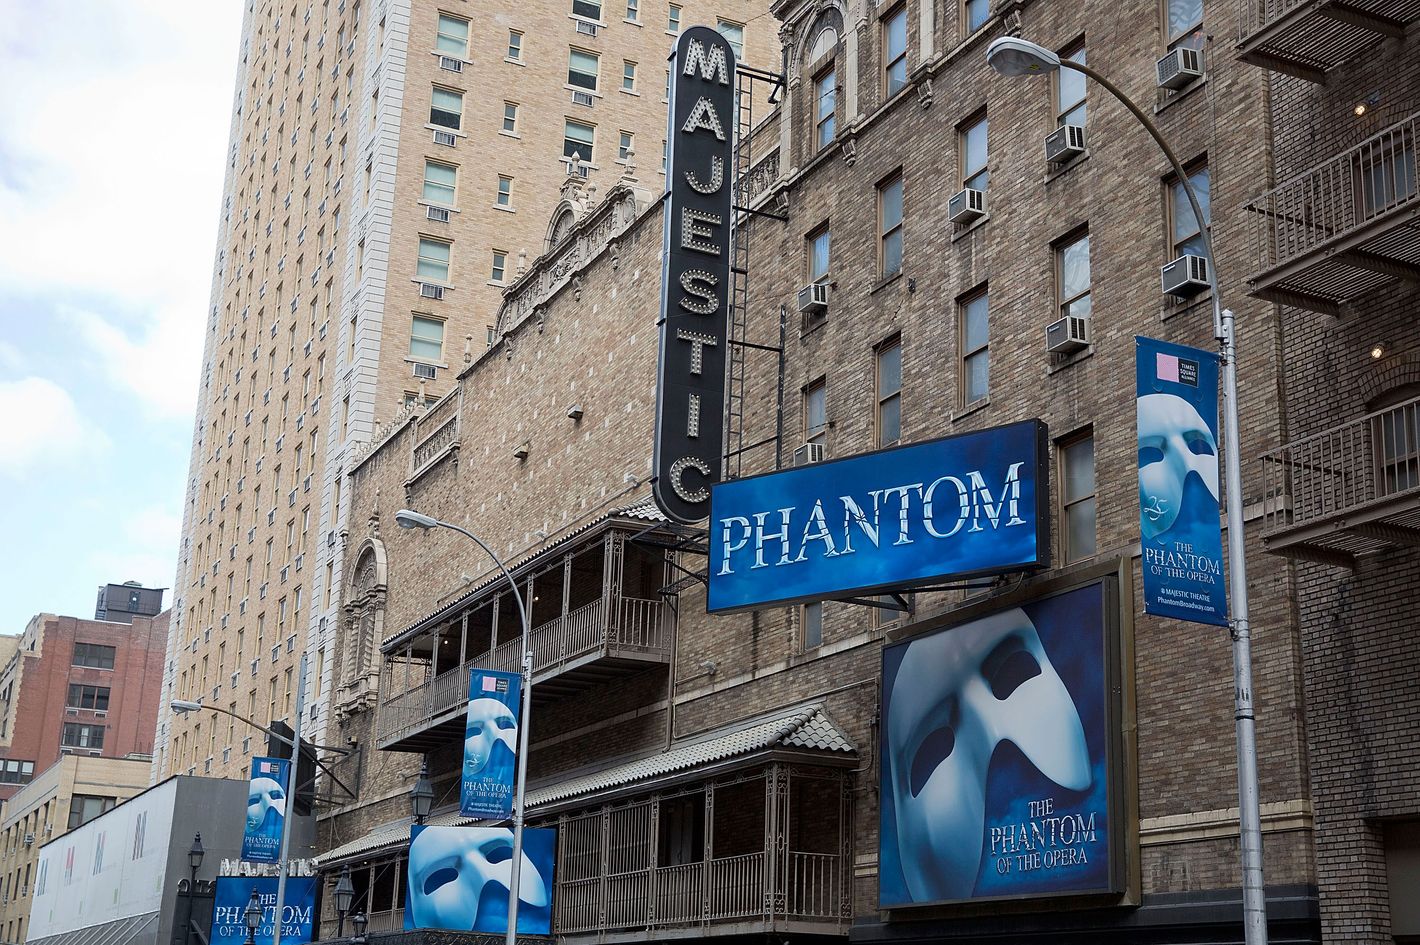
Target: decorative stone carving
924	92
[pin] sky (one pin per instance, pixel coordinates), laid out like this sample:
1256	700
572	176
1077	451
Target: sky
114	117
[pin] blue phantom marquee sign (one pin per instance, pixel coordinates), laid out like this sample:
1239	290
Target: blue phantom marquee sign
962	506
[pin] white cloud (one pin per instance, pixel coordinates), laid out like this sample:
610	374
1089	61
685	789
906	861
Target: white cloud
160	365
145	549
42	426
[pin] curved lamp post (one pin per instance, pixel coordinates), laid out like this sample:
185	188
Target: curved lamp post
407	518
1011	56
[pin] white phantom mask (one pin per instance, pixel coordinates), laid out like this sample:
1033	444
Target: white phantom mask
452	869
266	795
490	723
1173	442
956	696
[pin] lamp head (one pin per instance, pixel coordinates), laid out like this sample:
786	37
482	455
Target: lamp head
344	891
1012	56
421	798
179	706
252	913
361	922
195	855
408	518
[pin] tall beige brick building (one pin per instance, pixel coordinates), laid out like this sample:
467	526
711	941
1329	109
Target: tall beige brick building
392	166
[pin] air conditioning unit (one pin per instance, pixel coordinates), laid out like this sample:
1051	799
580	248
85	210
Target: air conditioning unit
813	298
30	840
582	98
1065	144
809	453
450	63
447	138
1180	67
1187	275
1067	335
285	573
966	206
438	214
426	371
430	291
588	28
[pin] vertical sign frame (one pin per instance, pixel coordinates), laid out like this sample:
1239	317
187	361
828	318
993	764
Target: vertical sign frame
695	275
490	757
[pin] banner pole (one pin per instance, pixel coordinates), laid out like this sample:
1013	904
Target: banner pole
291	777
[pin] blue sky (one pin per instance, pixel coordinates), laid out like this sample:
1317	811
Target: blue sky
113	124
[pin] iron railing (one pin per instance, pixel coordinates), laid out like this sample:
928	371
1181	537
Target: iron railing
1344	469
1335	199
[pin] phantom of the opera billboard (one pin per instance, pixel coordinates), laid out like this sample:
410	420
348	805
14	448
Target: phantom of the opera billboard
957	507
230	905
459	877
1000	756
490	746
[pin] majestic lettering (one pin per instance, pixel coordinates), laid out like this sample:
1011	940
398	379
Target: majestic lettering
711	66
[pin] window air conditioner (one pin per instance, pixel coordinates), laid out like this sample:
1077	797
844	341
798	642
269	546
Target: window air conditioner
966	206
588	28
1065	144
447	138
582	98
1067	335
450	63
813	298
1180	67
30	840
438	214
430	291
809	453
426	371
1187	275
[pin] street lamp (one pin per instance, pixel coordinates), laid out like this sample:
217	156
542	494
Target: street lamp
407	518
252	916
422	797
344	894
194	859
1012	56
361	922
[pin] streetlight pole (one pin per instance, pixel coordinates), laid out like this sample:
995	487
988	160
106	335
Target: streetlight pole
1013	57
290	803
410	519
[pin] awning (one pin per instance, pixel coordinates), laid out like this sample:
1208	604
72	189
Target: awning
805	728
134	930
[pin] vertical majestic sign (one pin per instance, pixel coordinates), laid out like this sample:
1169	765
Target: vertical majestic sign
266	810
490	744
1180	532
230	906
695	274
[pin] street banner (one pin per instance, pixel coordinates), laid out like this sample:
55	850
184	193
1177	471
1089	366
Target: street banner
230	905
266	810
490	744
1180	530
459	877
1001	756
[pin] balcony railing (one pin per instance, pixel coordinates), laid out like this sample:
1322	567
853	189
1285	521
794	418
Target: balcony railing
1308	38
636	629
1344	227
1348	490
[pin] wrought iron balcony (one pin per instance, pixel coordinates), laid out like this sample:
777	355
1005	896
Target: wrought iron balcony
1309	38
1343	228
1346	491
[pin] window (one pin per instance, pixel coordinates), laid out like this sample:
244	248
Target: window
890	226
577	140
735	33
433	260
446	109
439	183
1077	496
94	655
628	76
673	19
975	348
505	191
972	145
88	697
816	412
625	147
453	36
825	107
1385	176
1184	23
582	70
85	807
82	736
895	51
1070	90
819	241
889	392
510	118
426	338
633	10
813	625
17	772
591	9
1185	236
500	265
515	45
1072	275
974	14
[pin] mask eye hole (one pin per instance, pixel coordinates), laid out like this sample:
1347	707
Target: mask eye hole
440	878
935	748
1009	666
1149	455
506	722
476	729
1198	443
